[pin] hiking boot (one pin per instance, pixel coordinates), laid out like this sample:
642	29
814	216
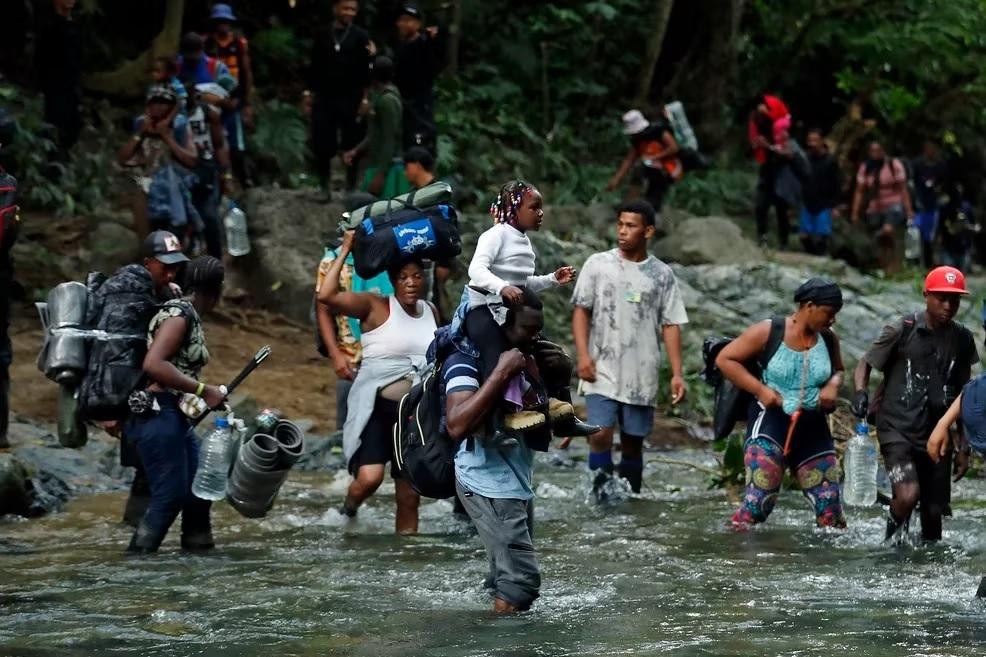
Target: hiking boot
559	410
523	421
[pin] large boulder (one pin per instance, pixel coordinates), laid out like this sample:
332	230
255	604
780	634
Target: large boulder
288	231
707	240
111	246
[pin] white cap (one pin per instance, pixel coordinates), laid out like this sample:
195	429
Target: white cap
634	122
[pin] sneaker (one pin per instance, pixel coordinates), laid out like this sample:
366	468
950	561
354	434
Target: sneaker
524	420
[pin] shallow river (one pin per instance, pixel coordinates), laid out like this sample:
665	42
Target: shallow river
659	574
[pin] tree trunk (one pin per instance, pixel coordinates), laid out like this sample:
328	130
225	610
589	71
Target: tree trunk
454	36
131	78
704	78
662	15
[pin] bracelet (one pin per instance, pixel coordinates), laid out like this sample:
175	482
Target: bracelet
137	138
199	389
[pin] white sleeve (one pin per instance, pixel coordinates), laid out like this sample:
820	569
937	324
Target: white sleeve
538	283
487	249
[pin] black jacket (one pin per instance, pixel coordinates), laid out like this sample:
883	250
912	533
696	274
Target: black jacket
820	186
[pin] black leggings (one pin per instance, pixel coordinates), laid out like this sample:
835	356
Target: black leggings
487	335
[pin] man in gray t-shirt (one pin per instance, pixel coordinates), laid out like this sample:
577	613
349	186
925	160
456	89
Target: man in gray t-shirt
623	299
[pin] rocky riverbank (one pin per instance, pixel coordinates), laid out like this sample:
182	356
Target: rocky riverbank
727	283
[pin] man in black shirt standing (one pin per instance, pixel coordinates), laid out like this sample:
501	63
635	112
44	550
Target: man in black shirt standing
931	183
338	82
820	194
926	359
419	58
59	54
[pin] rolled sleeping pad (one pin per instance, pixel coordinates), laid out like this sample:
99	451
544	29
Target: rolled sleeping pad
72	430
290	443
66	353
434	194
262	465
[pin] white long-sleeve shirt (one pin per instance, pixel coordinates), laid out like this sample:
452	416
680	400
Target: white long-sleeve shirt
504	256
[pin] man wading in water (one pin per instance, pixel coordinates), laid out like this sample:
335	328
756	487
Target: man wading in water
494	482
926	358
623	299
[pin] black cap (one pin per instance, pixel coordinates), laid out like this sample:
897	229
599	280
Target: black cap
411	9
164	247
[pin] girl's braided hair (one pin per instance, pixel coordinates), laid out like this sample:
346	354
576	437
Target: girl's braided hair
504	208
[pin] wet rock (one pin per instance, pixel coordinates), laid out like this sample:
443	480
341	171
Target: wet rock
16	492
706	240
38	475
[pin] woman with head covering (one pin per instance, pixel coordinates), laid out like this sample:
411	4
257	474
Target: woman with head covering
801	374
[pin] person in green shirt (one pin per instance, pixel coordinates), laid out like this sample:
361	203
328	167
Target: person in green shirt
384	175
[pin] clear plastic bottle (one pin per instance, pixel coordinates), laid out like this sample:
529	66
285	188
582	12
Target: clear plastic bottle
214	457
912	242
237	238
859	488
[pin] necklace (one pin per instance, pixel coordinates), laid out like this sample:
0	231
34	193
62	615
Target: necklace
339	42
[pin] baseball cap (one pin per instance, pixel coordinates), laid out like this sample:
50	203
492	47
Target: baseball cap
222	12
947	280
410	9
164	247
634	122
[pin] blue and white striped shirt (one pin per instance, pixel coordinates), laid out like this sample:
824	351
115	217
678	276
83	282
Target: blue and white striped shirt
490	472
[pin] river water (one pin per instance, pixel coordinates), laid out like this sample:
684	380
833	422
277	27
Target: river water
657	574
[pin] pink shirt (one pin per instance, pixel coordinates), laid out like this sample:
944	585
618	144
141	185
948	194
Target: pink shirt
893	179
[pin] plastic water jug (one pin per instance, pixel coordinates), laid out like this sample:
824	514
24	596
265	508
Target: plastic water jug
237	238
861	465
214	458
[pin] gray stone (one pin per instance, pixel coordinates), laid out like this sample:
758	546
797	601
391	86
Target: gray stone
288	231
707	240
111	246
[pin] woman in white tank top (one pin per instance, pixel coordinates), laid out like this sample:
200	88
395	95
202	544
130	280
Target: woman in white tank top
396	333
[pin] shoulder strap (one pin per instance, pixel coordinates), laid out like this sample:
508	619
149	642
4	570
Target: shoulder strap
829	337
774	339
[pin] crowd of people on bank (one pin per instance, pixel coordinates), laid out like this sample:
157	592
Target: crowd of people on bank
506	389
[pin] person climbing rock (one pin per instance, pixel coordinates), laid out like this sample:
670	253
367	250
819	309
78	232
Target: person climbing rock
801	373
926	357
624	299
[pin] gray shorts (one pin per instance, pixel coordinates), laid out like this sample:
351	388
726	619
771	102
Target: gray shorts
506	527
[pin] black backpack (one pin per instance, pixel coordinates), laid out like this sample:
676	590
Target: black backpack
122	307
423	451
9	217
731	403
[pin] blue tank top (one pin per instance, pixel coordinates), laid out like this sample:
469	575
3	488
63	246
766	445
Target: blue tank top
785	370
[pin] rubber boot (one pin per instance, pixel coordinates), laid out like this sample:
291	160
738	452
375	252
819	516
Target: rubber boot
498	435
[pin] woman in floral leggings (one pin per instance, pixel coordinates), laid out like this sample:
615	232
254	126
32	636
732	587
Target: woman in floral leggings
787	426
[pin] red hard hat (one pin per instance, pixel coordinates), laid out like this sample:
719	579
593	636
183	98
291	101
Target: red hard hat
948	280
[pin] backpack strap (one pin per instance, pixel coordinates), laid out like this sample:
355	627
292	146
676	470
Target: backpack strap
778	323
829	337
212	64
